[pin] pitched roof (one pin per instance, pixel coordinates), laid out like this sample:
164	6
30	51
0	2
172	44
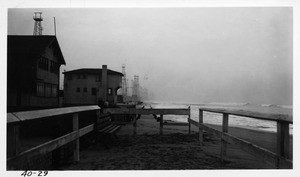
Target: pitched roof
32	44
92	71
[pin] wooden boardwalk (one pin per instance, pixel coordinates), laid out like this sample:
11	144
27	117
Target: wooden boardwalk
18	160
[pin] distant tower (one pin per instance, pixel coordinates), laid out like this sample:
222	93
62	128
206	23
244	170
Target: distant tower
135	88
38	23
124	83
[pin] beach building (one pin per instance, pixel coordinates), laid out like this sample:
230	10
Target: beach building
91	86
33	67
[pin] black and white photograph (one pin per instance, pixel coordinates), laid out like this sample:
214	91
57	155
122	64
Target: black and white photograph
149	88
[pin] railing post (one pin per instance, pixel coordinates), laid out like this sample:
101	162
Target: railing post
134	125
189	125
13	140
161	124
200	128
76	142
283	141
223	142
189	117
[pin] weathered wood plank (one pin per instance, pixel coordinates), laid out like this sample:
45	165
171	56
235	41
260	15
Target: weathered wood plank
223	142
48	146
161	123
189	124
193	122
200	129
283	139
252	114
29	115
12	118
147	111
176	124
86	130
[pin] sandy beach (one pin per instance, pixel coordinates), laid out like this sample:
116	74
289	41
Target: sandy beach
175	149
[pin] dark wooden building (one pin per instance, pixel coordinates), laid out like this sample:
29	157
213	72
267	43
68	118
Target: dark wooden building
33	68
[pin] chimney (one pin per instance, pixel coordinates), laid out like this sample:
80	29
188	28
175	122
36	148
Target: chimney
104	82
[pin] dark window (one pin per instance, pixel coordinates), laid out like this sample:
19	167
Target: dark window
94	91
84	76
78	76
78	89
85	89
69	76
48	88
44	63
109	91
40	89
54	90
54	67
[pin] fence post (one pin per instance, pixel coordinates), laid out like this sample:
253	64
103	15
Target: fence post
76	142
189	117
223	142
283	141
199	126
189	125
161	124
13	140
134	125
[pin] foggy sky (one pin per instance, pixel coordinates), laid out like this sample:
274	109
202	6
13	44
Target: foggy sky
188	54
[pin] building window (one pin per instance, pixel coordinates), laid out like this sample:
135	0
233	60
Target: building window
54	67
44	63
40	89
54	90
78	89
85	89
48	88
109	91
94	91
84	76
78	76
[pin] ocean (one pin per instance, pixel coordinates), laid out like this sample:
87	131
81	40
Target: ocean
234	121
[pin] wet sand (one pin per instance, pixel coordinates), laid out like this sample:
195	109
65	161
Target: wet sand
175	149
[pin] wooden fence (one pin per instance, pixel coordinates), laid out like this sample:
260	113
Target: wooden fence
281	159
15	158
160	112
276	160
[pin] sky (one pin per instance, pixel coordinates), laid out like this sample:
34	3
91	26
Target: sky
198	55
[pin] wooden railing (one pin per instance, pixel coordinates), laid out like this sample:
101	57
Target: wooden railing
160	112
15	120
15	158
281	159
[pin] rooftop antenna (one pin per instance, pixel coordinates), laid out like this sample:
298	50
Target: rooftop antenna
37	17
54	26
